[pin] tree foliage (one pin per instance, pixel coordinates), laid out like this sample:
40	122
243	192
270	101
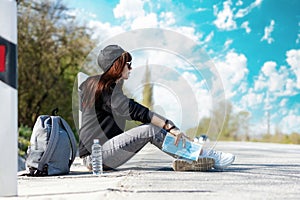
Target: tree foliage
51	48
148	89
236	127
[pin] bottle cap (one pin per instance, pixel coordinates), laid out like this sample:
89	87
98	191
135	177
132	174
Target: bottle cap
96	141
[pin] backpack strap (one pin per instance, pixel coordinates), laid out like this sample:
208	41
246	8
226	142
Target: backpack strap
71	138
51	145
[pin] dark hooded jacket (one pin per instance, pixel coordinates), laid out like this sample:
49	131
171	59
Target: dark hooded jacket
107	118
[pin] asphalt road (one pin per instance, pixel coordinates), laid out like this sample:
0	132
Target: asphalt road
260	171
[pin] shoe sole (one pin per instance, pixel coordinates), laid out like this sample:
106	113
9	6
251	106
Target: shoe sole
202	165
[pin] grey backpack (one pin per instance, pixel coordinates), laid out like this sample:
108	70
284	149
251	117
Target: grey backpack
52	147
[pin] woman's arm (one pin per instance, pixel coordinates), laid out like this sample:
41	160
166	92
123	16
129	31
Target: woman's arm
123	106
168	125
158	120
164	123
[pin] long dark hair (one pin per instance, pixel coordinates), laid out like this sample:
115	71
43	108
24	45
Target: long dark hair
97	85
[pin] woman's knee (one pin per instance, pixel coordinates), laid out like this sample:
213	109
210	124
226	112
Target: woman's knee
151	129
145	130
155	133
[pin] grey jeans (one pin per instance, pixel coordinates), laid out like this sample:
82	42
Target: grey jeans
121	148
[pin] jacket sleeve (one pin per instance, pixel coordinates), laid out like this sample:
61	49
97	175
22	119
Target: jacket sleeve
122	106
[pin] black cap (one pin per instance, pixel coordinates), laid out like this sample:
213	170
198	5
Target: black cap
108	56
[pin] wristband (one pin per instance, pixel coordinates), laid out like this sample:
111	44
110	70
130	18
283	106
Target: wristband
165	126
168	130
166	123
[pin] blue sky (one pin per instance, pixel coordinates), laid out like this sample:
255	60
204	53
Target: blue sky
254	44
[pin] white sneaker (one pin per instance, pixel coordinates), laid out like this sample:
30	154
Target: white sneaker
222	160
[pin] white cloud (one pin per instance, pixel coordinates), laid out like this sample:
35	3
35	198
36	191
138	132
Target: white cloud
257	3
268	30
259	83
129	9
81	14
251	99
167	19
298	39
272	80
224	19
245	11
136	17
239	3
186	103
269	68
147	21
293	59
227	44
243	87
201	93
298	35
103	31
188	31
233	71
200	9
283	111
278	81
290	86
290	122
209	37
283	102
245	25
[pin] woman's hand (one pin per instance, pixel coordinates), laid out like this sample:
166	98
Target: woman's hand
179	135
169	126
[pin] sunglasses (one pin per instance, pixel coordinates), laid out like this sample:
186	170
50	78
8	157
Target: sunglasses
129	65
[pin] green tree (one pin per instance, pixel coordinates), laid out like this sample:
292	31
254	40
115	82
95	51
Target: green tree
202	128
229	129
243	125
51	49
294	138
229	125
148	89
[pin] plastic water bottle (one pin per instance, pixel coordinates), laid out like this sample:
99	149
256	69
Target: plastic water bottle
97	158
201	139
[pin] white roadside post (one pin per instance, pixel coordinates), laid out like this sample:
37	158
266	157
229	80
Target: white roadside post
81	77
8	98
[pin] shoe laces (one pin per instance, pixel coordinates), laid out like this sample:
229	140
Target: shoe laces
215	154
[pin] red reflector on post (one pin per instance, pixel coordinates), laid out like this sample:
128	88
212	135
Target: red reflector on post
2	58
